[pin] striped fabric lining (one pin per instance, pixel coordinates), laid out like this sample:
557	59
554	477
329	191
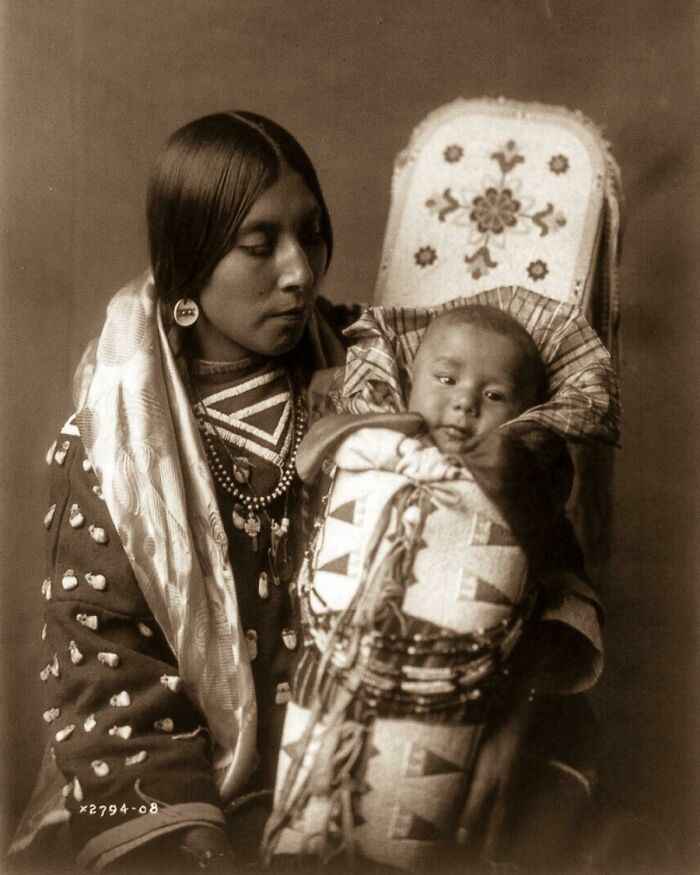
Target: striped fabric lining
583	403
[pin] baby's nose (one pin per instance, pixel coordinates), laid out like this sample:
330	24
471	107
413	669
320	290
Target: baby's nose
468	401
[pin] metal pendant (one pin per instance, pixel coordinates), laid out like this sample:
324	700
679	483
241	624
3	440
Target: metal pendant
289	636
252	528
283	693
278	552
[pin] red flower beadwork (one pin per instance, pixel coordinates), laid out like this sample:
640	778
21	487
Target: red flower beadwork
480	263
453	153
537	270
425	256
495	210
558	164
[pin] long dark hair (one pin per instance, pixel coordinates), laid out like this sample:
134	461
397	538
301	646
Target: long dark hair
207	178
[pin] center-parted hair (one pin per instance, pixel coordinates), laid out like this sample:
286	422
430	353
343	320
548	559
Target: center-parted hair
501	323
203	185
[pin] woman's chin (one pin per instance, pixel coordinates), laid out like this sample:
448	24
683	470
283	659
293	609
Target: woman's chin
285	341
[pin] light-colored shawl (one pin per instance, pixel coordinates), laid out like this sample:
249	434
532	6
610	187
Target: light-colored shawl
135	420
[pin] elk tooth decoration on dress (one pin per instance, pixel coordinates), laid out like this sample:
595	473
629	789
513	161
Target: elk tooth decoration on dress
172	682
76	657
48	519
65	733
96	581
136	758
78	794
50	453
69	581
109	659
75	517
98	534
121	731
61	453
100	768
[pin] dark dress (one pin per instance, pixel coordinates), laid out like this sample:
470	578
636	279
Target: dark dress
132	749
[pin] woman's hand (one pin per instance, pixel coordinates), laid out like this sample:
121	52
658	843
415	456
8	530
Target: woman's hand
484	810
207	849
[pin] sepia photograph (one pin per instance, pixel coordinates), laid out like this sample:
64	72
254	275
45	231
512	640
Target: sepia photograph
349	458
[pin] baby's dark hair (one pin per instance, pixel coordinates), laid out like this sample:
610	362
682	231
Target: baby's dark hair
500	322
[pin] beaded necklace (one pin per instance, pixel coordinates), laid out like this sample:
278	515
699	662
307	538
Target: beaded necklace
250	505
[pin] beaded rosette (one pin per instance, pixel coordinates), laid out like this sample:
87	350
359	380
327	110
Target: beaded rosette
414	593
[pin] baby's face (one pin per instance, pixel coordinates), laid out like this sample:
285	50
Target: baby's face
467	380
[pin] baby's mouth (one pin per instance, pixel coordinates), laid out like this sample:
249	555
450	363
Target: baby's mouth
458	432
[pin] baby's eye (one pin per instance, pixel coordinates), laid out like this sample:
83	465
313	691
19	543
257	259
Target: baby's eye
493	395
445	379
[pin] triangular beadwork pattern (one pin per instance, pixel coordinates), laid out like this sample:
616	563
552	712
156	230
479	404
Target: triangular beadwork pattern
254	415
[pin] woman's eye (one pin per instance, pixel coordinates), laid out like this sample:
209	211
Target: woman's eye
257	250
312	234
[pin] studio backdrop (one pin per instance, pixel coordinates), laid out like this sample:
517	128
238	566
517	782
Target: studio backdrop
91	89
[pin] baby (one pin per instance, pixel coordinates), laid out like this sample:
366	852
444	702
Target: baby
416	590
476	369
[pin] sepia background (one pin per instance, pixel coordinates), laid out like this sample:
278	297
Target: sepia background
89	91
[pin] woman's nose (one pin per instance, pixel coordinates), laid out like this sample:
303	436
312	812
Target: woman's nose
295	271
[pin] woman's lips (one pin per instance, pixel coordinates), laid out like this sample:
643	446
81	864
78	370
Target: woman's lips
294	314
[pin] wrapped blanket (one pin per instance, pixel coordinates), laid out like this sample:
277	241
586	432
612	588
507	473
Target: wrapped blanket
415	593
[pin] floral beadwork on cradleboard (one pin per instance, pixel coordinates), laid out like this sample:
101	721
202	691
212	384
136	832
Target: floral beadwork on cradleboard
491	216
492	193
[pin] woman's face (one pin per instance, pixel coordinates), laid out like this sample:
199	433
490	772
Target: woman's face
260	295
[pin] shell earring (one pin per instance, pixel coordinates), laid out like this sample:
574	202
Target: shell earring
186	312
